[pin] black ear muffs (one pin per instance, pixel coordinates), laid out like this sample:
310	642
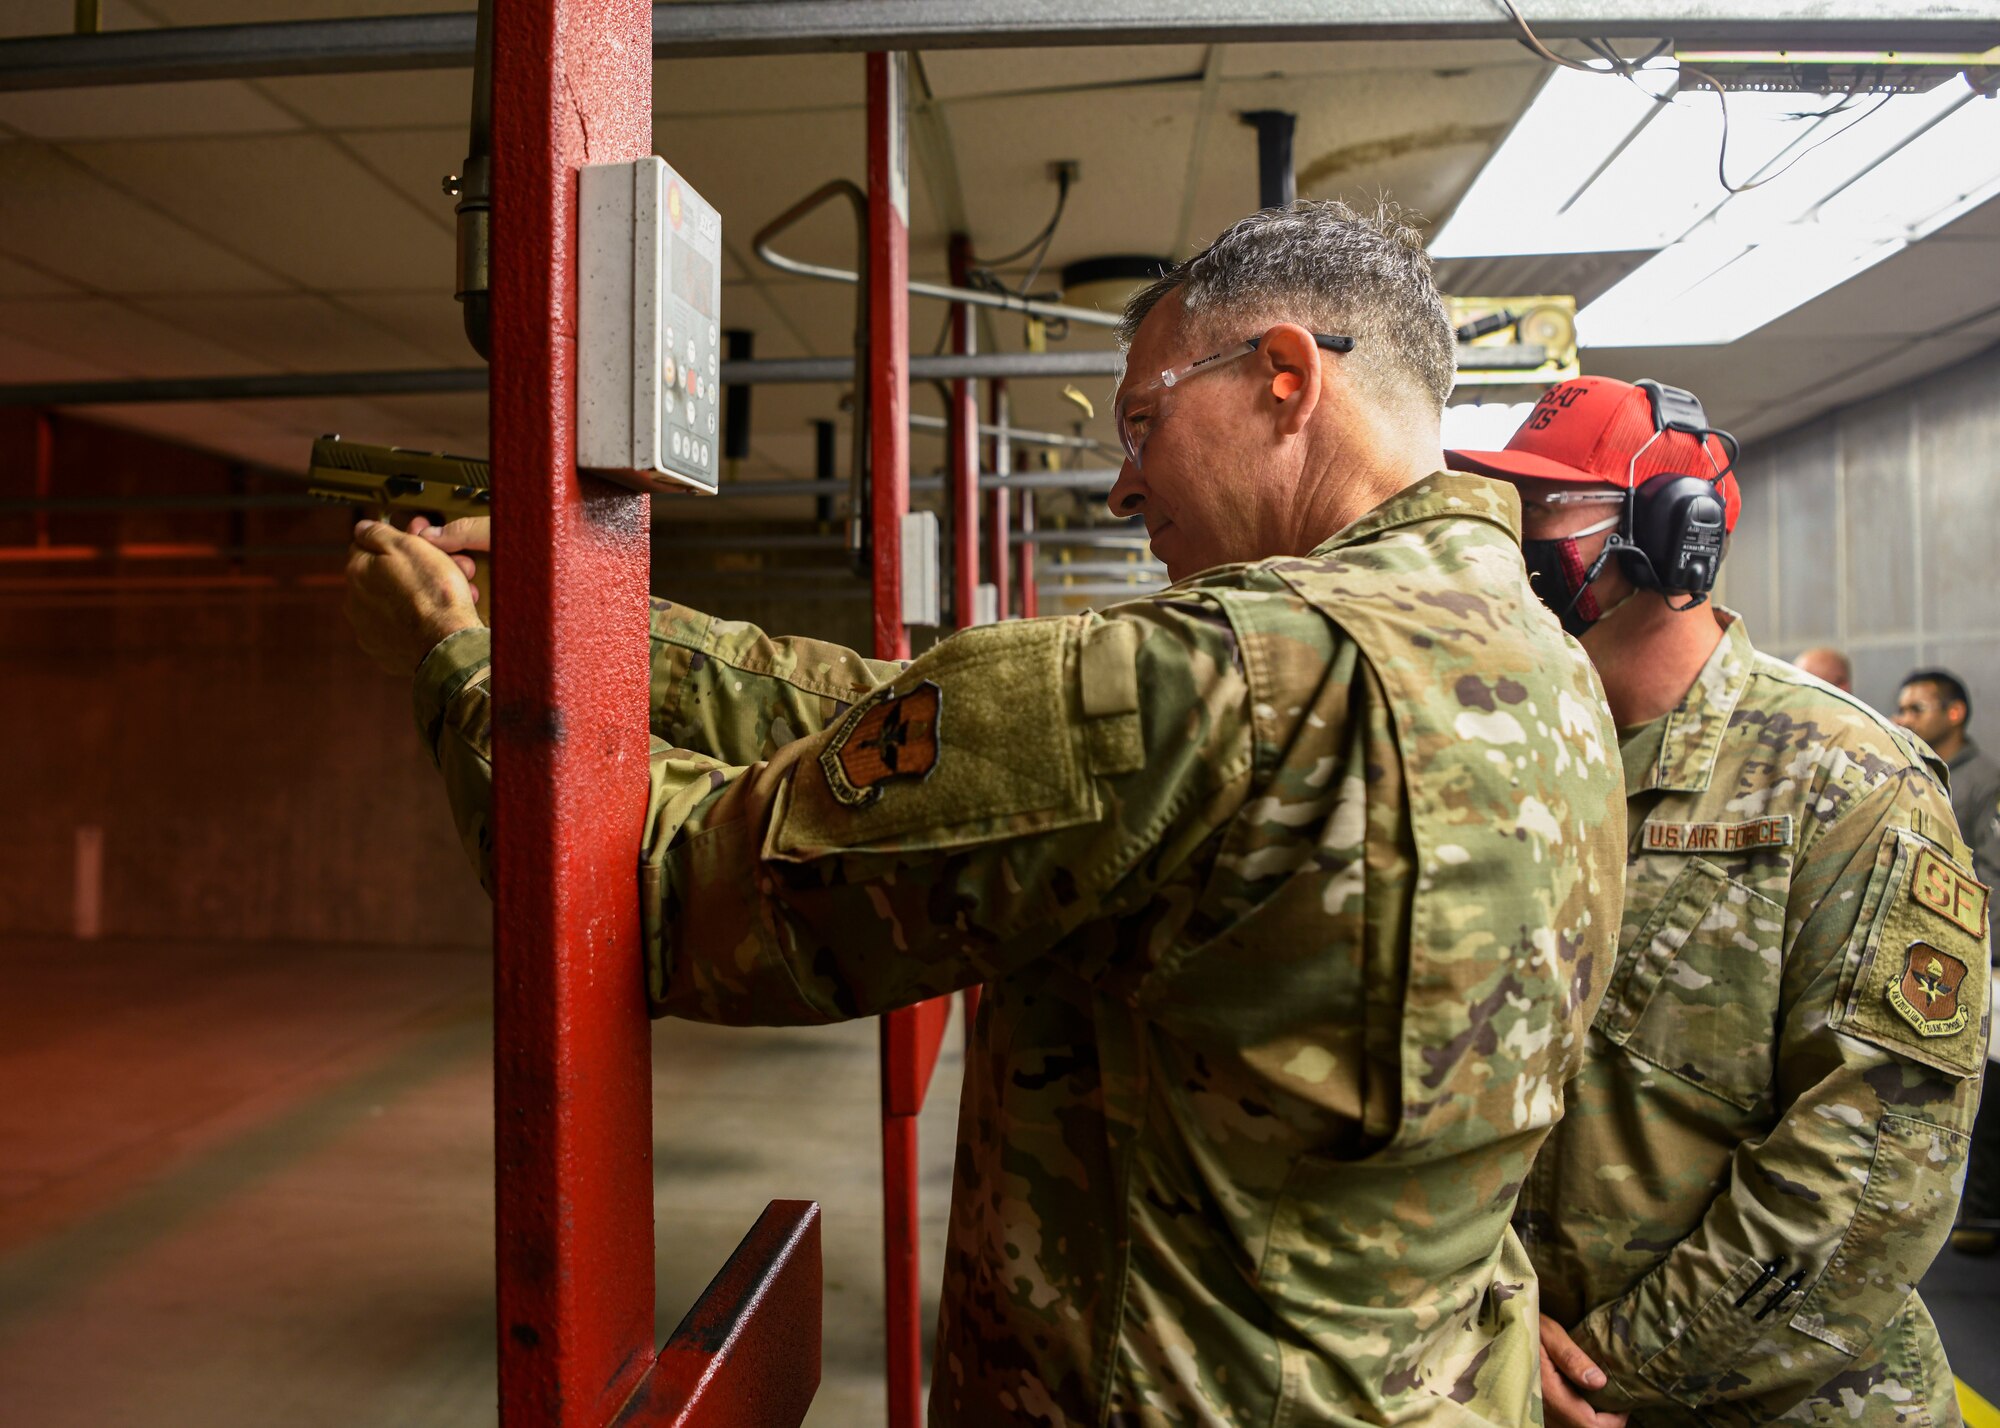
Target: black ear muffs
1678	532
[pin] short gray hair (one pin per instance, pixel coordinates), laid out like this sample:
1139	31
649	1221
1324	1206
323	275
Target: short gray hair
1330	268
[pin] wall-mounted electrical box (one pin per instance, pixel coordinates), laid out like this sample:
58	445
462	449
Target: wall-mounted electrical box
648	329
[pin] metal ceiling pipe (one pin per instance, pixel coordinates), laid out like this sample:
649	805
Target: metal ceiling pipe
976	297
1277	181
428	381
701	28
472	185
1018	435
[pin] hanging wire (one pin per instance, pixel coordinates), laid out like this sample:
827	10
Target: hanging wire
1617	66
1042	238
1839	106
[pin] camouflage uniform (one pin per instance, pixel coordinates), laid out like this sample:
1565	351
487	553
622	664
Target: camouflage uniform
1292	889
1763	1151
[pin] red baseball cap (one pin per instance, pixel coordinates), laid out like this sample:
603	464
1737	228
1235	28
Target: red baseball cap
1586	431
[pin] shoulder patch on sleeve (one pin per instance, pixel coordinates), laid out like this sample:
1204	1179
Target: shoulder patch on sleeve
1919	985
978	740
896	736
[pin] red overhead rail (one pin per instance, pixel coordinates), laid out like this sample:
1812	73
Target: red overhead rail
572	84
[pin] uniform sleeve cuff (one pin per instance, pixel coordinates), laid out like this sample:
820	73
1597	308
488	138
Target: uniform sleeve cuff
452	663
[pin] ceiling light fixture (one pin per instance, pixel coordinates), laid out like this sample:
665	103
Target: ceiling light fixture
1818	189
1753	261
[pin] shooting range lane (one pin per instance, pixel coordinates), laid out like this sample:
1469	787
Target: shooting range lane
288	1217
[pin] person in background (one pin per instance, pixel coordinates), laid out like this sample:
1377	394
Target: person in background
1825	662
1933	705
1762	1154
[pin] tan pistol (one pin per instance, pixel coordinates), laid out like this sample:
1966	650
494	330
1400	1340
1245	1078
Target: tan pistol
387	479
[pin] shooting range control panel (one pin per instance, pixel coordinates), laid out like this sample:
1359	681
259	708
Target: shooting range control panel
649	329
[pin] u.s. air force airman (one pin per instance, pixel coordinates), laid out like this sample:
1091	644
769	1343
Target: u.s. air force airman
1766	1144
1292	888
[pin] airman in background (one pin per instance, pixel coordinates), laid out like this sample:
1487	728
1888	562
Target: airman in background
1764	1150
1829	664
1292	888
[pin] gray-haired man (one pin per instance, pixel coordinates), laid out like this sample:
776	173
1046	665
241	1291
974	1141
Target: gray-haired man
1292	888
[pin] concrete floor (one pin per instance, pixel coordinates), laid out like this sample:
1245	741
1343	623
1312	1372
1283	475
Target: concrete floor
249	1185
244	1184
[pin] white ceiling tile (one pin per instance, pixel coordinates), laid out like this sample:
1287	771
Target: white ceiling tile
407	99
242	12
19	280
119	338
1788	404
297	202
956	74
22	361
1921	289
415	162
706	87
1133	146
753	167
58	216
290	331
1240	61
143	111
429	321
1412	137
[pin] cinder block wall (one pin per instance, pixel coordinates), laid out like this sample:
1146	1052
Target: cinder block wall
1876	529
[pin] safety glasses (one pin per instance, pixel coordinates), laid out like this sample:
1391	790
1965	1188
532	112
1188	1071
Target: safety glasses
1141	410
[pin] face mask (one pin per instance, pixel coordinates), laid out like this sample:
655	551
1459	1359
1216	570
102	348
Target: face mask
1561	578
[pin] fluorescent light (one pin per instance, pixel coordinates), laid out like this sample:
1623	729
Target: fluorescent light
1576	123
1768	251
1483	426
1599	164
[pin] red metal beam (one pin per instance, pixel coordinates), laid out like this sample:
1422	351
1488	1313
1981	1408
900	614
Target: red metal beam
1000	513
748	1353
963	441
572	84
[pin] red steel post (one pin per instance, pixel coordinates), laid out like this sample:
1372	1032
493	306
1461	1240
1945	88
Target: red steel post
903	1032
1024	554
963	441
572	84
1000	514
888	376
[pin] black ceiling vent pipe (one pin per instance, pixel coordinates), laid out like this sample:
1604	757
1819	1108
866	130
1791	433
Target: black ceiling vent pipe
1277	181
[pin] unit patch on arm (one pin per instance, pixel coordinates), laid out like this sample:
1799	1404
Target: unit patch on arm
1927	995
895	738
1917	982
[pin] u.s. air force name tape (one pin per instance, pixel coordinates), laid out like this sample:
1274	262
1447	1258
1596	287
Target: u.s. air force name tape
1717	837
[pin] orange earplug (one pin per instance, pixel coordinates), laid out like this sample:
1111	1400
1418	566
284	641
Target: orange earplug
1285	385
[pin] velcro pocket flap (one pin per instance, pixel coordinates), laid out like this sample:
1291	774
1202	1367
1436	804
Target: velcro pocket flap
1008	756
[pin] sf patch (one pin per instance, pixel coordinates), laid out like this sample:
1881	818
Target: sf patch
1937	885
896	737
1927	995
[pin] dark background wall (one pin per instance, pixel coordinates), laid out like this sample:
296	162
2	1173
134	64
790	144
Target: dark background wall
254	777
1876	529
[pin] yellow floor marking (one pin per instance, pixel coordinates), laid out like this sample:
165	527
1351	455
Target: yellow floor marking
1978	1412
